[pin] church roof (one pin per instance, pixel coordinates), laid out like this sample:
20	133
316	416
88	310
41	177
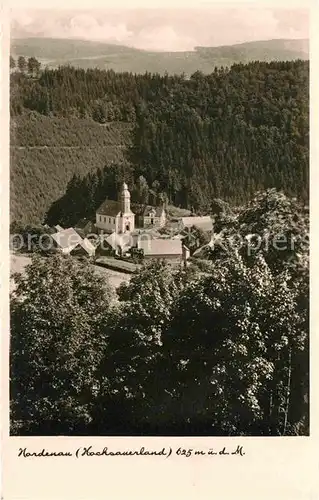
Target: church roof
110	207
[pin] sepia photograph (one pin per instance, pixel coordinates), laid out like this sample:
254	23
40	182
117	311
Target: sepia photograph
159	221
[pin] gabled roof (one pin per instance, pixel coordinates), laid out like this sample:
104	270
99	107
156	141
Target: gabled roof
204	222
87	246
116	241
156	210
145	210
58	228
67	238
160	247
111	208
83	223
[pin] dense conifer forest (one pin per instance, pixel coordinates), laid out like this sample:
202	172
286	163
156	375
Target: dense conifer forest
223	135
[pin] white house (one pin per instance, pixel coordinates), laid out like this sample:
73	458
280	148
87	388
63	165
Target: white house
66	240
149	216
168	249
116	216
84	247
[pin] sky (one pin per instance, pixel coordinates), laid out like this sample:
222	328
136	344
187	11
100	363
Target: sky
174	29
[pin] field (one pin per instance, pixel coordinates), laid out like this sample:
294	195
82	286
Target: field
18	263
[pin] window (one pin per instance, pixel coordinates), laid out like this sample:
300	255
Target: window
109	220
100	218
152	221
113	221
104	219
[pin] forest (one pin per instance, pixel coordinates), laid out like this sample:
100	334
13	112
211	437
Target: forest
231	343
245	129
229	334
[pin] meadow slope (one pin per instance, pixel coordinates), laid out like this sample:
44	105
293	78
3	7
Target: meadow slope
46	152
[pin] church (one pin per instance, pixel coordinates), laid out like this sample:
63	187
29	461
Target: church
116	216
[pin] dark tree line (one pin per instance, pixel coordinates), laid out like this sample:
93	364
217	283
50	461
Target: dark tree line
30	66
227	134
85	194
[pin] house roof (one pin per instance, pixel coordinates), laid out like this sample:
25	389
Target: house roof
58	228
67	238
145	210
160	247
157	211
204	222
83	223
116	241
87	246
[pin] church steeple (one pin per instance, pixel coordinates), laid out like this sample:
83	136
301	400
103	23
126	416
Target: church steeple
125	199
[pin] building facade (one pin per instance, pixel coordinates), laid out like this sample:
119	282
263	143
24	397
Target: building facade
154	217
116	216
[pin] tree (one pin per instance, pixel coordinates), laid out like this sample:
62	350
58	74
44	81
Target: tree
236	341
22	64
131	391
12	62
196	238
141	193
272	224
33	66
57	312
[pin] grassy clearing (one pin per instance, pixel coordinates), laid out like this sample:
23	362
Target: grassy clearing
18	262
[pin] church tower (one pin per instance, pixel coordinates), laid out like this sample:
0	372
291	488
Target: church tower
125	200
127	218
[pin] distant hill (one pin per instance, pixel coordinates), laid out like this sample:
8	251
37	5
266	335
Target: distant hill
87	54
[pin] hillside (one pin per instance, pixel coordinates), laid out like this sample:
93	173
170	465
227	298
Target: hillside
224	135
46	152
86	54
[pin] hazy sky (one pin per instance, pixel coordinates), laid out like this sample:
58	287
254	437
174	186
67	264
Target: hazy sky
164	29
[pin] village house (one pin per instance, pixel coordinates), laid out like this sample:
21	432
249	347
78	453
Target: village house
168	249
84	227
84	248
66	240
148	216
69	242
114	244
